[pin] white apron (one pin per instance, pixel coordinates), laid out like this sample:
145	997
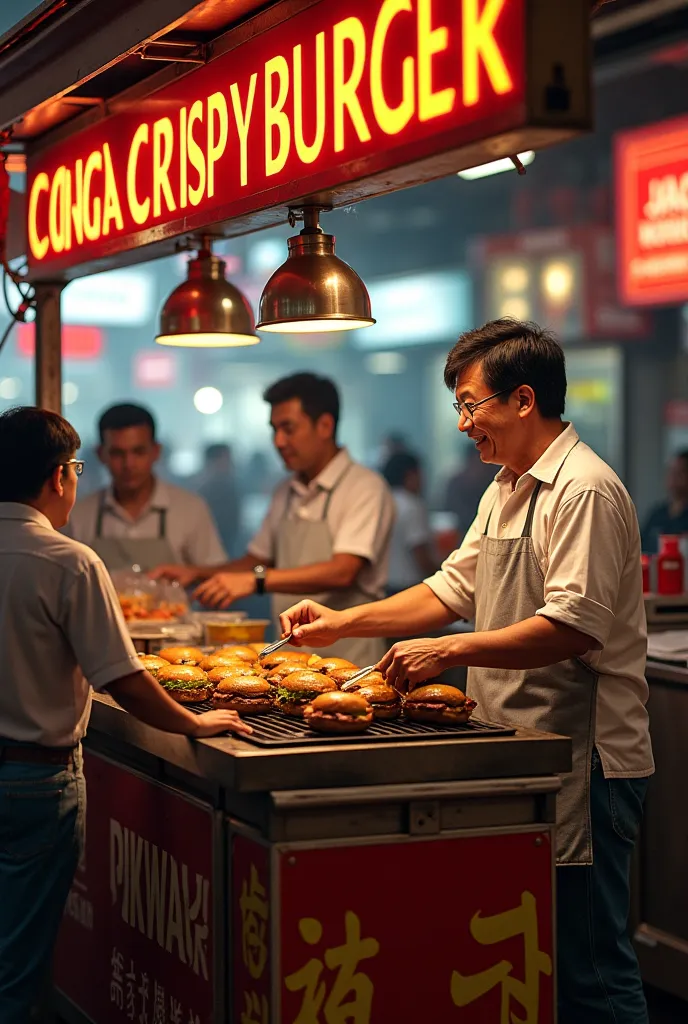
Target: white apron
124	552
559	698
301	542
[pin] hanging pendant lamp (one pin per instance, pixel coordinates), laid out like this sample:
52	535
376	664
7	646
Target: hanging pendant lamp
313	291
206	311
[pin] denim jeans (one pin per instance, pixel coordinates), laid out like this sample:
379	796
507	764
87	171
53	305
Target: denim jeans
599	979
42	809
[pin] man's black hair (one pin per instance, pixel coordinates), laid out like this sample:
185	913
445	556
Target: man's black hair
33	443
318	395
119	417
397	467
510	353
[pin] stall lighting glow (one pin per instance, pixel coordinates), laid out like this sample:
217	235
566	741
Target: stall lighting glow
557	282
496	167
10	387
515	278
516	307
208	401
70	392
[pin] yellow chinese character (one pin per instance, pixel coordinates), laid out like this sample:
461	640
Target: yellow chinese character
256	1010
351	995
254	915
521	920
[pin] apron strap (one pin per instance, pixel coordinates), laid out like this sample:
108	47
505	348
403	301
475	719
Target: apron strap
162	522
332	490
162	519
528	526
489	517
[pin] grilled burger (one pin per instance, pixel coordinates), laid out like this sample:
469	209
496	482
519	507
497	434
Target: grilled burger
236	671
185	683
342	676
298	689
241	651
383	699
328	665
181	655
279	657
338	712
284	669
214	660
152	663
436	702
248	694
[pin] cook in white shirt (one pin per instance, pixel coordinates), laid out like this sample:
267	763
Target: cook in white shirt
62	634
140	520
550	570
327	531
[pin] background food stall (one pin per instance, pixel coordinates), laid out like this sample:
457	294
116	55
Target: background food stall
255	881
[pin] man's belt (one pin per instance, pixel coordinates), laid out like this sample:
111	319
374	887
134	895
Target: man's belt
36	754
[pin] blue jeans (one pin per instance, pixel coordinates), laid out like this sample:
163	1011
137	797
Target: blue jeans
42	809
599	978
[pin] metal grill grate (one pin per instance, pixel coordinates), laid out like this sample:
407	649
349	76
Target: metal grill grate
276	730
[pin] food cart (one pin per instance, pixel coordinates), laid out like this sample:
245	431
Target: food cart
400	876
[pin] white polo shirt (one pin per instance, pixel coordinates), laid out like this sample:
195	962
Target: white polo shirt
189	525
360	516
411	529
61	631
587	542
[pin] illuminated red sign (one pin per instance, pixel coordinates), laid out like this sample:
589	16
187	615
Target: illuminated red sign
78	341
346	91
652	213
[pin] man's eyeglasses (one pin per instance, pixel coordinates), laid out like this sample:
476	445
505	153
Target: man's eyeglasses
468	408
77	463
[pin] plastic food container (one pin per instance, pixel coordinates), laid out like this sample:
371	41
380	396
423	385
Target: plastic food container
219	630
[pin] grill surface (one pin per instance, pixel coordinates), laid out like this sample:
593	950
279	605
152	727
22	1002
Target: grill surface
276	730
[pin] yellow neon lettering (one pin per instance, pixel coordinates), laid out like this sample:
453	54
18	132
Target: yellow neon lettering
78	203
67	209
56	219
431	41
390	119
196	157
479	44
139	211
307	154
243	120
275	116
345	91
39	246
111	207
216	147
163	141
183	169
92	217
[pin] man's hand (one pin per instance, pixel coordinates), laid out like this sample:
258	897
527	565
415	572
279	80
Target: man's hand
214	722
185	575
312	624
224	588
410	662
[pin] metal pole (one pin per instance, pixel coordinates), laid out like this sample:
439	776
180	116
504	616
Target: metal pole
48	346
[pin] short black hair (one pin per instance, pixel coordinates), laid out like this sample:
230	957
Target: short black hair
397	466
318	395
33	443
510	353
119	417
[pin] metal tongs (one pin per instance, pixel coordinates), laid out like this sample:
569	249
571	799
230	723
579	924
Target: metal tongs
359	675
271	648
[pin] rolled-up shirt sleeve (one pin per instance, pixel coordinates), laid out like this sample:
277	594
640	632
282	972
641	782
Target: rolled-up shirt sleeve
95	627
581	588
454	582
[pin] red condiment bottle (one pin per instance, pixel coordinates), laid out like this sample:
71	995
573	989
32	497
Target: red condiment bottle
669	566
646	563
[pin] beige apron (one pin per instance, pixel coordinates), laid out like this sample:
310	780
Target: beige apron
303	542
559	698
125	553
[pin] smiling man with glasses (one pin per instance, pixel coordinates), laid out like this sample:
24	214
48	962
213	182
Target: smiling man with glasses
550	573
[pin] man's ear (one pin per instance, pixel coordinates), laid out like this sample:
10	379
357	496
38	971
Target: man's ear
55	480
526	400
157	451
325	425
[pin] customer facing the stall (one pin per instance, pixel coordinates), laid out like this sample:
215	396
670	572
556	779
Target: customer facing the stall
141	520
61	634
327	531
550	572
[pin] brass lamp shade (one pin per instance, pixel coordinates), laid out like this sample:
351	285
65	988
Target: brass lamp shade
206	311
314	291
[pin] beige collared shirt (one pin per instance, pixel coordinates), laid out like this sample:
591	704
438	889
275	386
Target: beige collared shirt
61	630
360	516
190	527
587	541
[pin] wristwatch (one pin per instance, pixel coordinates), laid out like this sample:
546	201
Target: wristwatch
260	572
